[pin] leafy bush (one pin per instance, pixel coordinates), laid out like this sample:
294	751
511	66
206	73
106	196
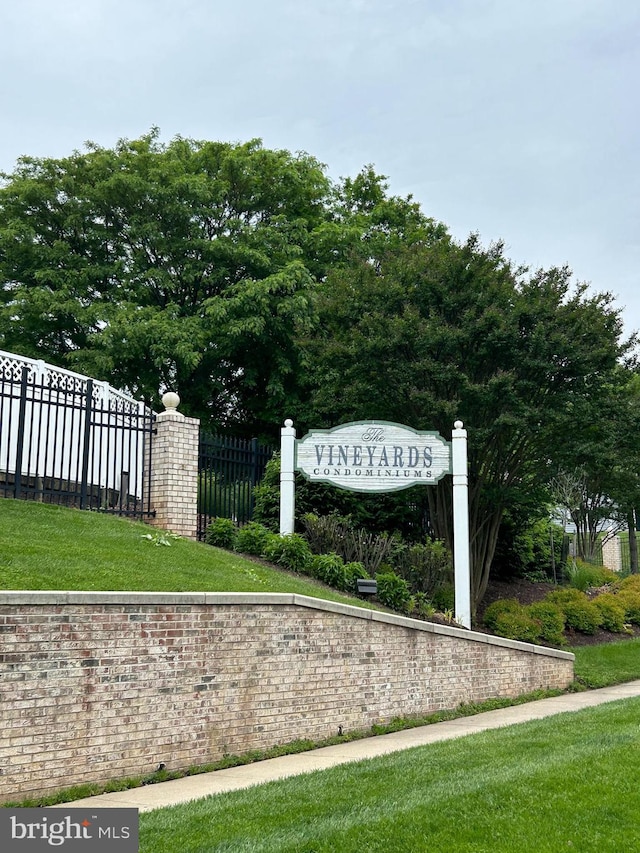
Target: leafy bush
266	496
551	621
584	576
291	552
524	545
495	610
332	570
627	591
425	566
536	576
420	606
444	597
353	572
393	591
221	532
581	614
612	612
334	534
630	583
252	538
508	618
327	568
324	533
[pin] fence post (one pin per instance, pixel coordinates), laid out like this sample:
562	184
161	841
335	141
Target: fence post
174	473
86	441
17	480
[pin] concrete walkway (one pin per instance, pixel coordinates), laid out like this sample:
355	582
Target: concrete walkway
195	787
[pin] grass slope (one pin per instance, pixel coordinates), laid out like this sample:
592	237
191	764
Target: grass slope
568	782
51	547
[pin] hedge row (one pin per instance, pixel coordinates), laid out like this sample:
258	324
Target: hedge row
295	554
567	608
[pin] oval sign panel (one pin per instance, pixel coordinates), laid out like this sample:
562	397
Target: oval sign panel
373	456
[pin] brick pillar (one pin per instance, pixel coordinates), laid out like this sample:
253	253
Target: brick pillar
612	554
174	470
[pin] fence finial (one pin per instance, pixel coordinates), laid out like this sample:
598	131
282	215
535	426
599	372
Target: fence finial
170	401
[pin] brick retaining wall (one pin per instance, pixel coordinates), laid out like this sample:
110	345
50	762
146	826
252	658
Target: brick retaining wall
98	686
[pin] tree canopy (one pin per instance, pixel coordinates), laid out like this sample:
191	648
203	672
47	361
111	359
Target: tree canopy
185	266
427	333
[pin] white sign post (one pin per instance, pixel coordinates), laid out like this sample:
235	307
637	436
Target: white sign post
379	456
287	478
461	555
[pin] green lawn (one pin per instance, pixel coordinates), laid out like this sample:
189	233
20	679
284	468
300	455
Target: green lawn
50	547
568	782
607	663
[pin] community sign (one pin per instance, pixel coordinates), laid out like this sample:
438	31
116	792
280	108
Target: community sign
378	456
373	456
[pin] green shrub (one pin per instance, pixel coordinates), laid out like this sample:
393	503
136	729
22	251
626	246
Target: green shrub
508	618
551	621
420	607
328	568
252	538
528	548
335	534
425	567
444	598
291	552
393	591
221	532
266	496
612	612
581	614
332	570
630	583
584	576
353	572
629	598
495	610
325	533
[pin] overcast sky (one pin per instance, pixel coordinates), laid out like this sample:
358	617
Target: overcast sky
517	119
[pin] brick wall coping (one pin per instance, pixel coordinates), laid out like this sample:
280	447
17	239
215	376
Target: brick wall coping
58	598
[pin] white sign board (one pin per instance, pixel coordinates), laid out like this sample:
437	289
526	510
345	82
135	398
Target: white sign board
369	456
377	456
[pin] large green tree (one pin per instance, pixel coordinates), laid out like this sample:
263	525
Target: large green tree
430	331
186	266
189	266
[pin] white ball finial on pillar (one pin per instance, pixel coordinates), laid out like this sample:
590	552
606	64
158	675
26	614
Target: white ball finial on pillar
170	401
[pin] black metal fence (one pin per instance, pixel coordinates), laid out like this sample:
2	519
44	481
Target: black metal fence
69	440
229	468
